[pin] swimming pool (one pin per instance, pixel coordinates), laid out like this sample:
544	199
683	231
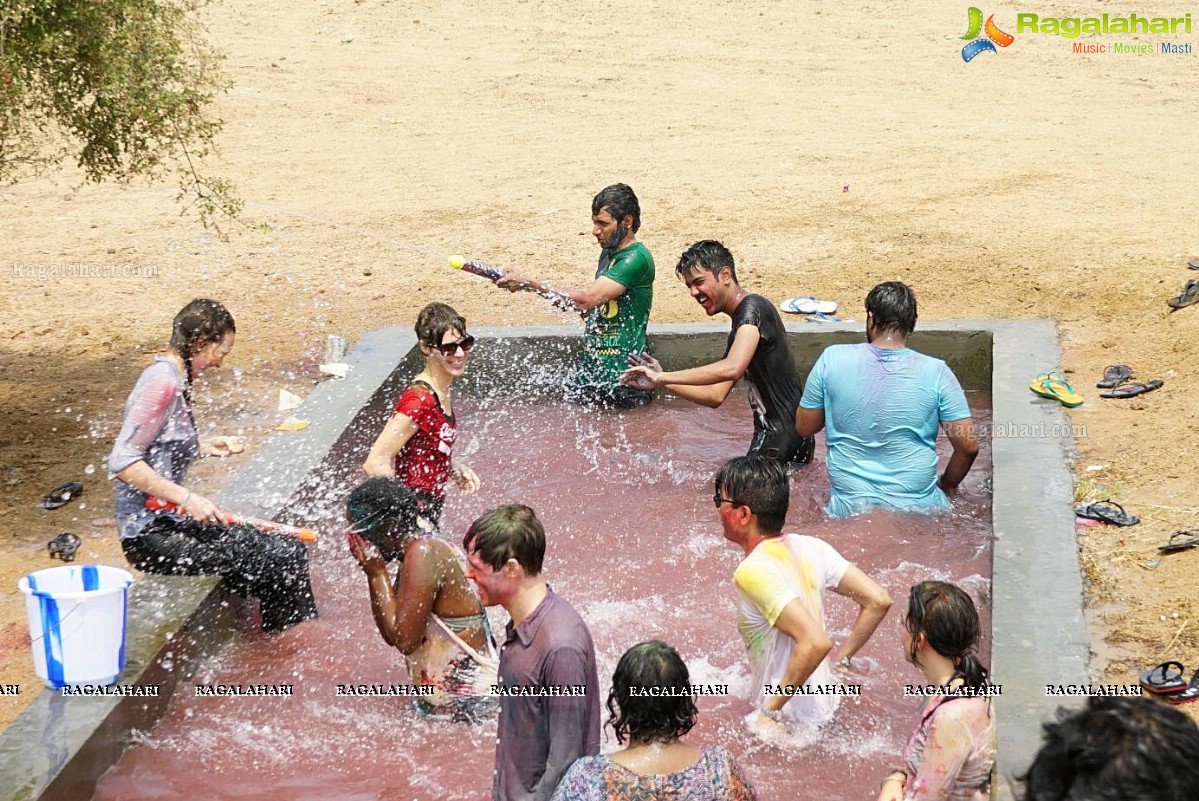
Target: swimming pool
52	747
633	542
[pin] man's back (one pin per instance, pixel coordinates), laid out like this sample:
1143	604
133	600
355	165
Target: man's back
882	408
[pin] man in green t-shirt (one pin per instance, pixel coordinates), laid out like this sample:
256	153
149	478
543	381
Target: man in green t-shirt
615	307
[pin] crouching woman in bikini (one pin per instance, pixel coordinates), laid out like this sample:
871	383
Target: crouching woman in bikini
430	614
157	444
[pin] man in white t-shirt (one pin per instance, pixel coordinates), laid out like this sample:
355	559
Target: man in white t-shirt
780	588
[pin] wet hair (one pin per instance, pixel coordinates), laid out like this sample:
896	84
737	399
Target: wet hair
198	324
759	483
1116	749
508	532
381	509
645	718
946	617
893	306
708	255
620	201
434	320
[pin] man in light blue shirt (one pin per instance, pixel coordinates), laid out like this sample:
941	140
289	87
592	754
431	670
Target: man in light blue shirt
880	405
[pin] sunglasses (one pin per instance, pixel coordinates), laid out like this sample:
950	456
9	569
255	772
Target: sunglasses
450	348
718	499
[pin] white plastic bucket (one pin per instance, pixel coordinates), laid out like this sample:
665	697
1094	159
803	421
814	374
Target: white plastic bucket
77	623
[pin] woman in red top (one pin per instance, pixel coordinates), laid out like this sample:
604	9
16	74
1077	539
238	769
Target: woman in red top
417	444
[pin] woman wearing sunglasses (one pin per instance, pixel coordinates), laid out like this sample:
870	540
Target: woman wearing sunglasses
417	444
950	754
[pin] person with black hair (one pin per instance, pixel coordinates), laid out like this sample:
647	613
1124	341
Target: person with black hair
430	614
157	444
757	350
651	707
549	685
1115	749
780	598
880	404
615	306
417	444
950	753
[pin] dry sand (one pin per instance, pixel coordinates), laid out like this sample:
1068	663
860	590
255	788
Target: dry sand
369	139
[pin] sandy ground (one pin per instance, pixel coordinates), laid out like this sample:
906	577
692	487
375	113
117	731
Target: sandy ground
829	145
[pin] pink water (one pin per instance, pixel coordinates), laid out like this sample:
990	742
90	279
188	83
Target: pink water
635	545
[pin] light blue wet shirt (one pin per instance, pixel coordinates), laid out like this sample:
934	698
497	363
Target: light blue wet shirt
882	408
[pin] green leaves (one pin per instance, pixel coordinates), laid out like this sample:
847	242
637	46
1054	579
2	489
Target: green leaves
124	87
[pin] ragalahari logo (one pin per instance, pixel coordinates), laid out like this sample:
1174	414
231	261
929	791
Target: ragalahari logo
987	43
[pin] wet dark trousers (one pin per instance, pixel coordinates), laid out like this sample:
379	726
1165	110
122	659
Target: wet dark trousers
270	567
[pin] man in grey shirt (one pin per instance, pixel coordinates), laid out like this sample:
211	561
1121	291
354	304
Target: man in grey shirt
549	686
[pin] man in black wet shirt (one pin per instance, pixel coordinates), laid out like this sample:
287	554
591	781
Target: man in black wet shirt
757	349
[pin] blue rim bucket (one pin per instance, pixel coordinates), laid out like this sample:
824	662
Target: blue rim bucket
77	623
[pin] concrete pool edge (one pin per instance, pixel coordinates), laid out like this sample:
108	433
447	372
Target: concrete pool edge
1039	633
59	747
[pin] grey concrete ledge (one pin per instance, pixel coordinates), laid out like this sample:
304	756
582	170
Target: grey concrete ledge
58	747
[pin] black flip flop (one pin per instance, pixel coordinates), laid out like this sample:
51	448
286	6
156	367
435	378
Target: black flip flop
1108	511
61	495
1191	693
1132	390
1174	544
1162	680
64	546
1114	376
1190	294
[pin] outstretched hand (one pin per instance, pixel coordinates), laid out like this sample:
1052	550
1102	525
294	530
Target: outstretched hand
644	360
512	280
466	479
641	377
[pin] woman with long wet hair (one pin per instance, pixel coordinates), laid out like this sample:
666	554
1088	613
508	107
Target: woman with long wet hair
157	444
651	707
950	754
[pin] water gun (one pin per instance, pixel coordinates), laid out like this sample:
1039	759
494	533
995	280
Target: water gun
475	268
484	270
302	534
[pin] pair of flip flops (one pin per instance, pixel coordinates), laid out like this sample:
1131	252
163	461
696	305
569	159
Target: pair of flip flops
1055	386
1181	541
64	546
1116	382
1188	296
808	305
1107	511
61	495
1132	389
1163	680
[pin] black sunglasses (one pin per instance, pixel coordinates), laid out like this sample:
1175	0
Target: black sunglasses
450	348
718	499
